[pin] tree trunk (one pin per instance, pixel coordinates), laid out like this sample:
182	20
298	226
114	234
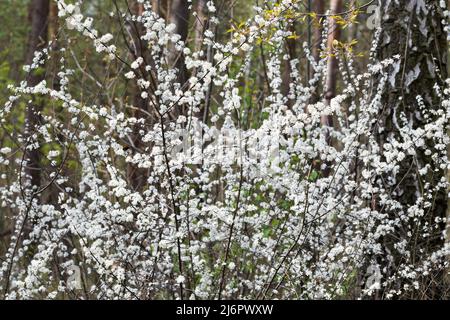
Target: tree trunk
413	30
156	6
334	33
53	29
138	176
290	45
319	9
179	16
39	12
200	23
418	38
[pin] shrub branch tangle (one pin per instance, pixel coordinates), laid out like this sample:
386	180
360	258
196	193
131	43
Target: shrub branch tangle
178	162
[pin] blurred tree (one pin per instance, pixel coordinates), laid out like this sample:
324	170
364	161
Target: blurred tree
39	12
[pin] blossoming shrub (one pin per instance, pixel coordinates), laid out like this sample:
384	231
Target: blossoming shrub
242	205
